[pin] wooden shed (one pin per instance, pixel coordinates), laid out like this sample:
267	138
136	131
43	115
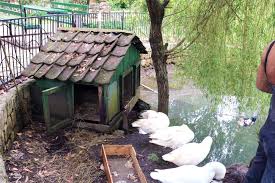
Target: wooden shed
87	76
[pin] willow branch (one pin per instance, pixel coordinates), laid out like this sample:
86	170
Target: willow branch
176	46
233	10
203	22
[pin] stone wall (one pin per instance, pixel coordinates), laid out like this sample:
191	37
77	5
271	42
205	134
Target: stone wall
14	113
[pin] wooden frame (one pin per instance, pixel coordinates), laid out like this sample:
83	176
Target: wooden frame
69	90
120	150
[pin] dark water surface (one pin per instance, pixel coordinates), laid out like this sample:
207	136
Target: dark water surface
218	117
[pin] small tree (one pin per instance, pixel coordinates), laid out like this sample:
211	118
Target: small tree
156	11
160	52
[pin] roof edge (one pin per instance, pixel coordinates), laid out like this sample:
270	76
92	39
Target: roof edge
94	30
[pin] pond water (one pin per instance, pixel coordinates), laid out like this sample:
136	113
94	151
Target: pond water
218	117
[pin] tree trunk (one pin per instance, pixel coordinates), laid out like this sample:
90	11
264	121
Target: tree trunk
156	12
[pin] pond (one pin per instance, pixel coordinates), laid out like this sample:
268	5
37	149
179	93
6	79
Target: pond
218	117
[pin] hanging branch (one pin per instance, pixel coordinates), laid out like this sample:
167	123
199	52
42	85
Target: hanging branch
203	22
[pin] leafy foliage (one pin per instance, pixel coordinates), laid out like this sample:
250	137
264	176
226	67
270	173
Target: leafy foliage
153	157
232	34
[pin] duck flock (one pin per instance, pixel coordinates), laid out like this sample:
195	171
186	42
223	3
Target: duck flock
185	155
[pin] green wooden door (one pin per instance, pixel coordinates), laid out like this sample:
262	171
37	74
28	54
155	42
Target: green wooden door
58	106
113	100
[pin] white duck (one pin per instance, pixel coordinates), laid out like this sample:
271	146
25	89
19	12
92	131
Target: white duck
174	136
191	173
151	125
148	114
190	154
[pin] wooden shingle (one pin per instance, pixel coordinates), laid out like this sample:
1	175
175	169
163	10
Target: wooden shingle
87	55
54	71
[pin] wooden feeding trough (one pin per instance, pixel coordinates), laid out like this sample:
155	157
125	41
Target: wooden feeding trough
121	165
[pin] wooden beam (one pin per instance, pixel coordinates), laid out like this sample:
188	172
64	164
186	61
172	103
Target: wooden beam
101	105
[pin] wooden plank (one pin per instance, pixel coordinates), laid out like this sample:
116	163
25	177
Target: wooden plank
125	125
65	58
66	74
104	77
73	47
94	30
106	165
49	46
137	168
79	74
90	76
111	38
118	150
52	57
102	110
80	37
90	38
125	40
120	50
112	63
107	49
99	62
61	124
96	49
69	35
85	47
121	150
53	90
77	59
93	126
100	37
42	71
128	107
57	36
39	57
115	122
55	71
61	47
31	69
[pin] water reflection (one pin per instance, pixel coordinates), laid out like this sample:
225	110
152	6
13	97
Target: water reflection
217	117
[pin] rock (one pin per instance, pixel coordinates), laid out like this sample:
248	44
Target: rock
235	173
3	174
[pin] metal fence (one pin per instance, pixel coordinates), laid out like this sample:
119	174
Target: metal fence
21	38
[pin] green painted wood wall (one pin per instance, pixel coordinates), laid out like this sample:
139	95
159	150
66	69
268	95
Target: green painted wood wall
113	91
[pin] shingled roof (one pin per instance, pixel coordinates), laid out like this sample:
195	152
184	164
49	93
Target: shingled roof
88	55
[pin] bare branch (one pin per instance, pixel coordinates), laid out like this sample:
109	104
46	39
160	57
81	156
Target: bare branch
176	46
177	12
165	3
191	42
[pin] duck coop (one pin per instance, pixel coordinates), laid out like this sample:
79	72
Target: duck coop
87	76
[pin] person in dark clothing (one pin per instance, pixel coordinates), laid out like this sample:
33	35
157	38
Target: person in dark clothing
262	168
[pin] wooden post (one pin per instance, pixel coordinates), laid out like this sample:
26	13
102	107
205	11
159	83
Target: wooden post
101	105
125	125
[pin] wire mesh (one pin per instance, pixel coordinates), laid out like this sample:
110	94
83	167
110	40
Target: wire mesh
23	37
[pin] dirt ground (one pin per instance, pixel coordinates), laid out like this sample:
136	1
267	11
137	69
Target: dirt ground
72	155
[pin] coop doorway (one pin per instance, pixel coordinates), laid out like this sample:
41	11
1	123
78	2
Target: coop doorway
128	88
86	102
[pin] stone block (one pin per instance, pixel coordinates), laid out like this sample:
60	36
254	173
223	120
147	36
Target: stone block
12	116
26	93
3	173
